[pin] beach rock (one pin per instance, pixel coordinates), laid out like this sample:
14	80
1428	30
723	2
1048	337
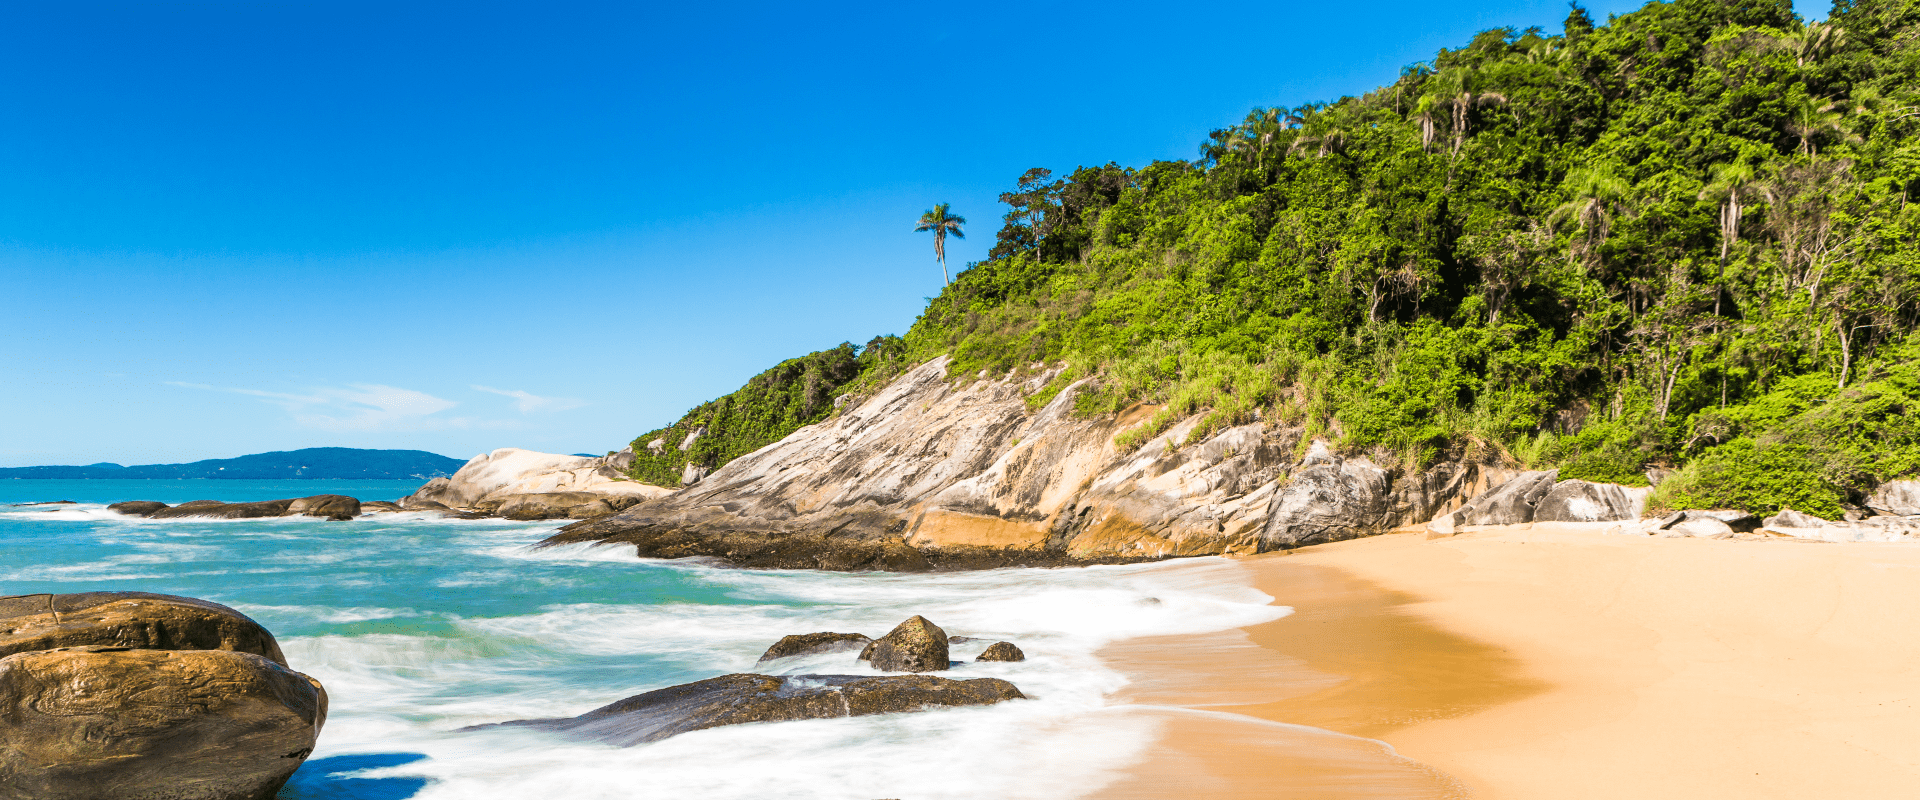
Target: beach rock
1329	499
111	723
379	507
1583	501
806	644
742	698
562	505
129	619
214	509
137	508
1002	651
1513	502
1896	499
1789	518
490	479
912	646
1740	521
335	507
1701	527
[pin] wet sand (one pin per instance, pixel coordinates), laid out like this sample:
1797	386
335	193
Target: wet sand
1563	663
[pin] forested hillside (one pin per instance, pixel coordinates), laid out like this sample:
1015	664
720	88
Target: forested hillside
1681	239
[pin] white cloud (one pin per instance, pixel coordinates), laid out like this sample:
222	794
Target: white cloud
529	402
362	407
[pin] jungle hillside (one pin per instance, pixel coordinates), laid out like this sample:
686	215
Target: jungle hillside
1674	245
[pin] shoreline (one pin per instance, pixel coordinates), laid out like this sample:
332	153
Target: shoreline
1516	662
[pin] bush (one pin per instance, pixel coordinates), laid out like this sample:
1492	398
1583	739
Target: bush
1759	478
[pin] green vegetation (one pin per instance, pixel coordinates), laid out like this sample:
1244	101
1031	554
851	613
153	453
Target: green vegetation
1679	239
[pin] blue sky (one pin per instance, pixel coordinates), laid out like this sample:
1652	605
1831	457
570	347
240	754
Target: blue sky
234	227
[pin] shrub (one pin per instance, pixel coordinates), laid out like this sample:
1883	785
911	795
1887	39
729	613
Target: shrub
1759	478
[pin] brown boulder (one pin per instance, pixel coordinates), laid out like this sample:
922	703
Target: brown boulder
129	619
806	644
137	508
562	505
916	645
111	723
741	698
1002	651
336	507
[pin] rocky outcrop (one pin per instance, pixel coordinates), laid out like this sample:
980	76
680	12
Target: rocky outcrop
137	620
125	695
1896	499
325	506
539	485
1584	501
807	644
915	645
743	698
336	507
137	508
1002	651
932	473
1512	502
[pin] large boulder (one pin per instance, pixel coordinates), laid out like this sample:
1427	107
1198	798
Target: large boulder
1789	518
1513	502
326	506
336	507
112	723
137	508
807	644
915	645
1896	499
562	505
1584	501
742	698
1002	651
489	480
129	619
1329	499
1701	527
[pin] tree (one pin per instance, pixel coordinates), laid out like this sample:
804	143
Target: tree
1731	185
941	222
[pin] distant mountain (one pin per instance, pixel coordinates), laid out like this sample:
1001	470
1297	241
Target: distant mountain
333	463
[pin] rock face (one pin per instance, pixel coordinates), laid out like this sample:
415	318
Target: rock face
742	698
491	481
1002	651
1513	502
912	646
129	695
562	505
107	723
129	619
928	473
1582	501
1896	499
806	644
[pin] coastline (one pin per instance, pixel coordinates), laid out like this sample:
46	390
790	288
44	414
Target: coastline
1557	661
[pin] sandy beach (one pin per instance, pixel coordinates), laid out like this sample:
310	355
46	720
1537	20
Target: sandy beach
1550	662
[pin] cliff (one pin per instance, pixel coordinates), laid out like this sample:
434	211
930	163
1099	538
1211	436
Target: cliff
928	473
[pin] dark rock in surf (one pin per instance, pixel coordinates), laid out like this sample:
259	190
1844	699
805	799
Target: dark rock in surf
807	644
113	723
916	645
326	506
563	505
742	698
138	508
379	507
336	507
129	619
1002	651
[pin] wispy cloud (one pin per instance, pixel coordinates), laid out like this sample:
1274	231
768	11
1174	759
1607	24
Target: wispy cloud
529	402
361	407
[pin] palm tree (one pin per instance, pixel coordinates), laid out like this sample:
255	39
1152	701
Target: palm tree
1810	118
1596	192
941	223
1731	184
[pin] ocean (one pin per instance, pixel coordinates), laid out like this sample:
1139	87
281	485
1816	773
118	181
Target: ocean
420	626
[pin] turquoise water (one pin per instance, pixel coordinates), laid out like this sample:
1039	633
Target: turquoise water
419	626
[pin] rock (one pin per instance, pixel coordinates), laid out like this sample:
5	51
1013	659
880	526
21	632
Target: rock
330	506
1789	518
1513	502
1655	475
623	460
214	509
657	446
379	507
806	644
46	503
112	723
912	646
137	508
129	619
1896	499
692	474
742	698
1701	527
1002	651
1739	521
487	481
692	437
1328	500
562	505
1583	501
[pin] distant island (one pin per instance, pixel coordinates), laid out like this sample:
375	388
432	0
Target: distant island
316	463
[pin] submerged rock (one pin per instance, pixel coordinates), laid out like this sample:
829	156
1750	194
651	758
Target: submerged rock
915	645
112	723
806	644
1002	651
742	698
129	619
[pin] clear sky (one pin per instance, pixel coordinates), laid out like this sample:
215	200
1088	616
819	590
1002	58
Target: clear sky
231	227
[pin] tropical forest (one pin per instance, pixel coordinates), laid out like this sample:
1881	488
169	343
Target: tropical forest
1672	246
